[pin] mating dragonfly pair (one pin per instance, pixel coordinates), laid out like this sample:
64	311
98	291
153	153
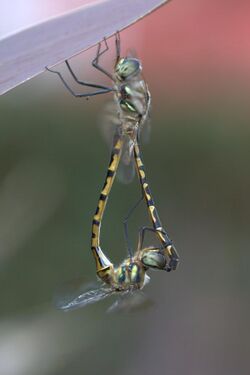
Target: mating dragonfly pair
131	105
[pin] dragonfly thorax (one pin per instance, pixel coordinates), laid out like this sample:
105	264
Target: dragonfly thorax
131	92
133	100
129	275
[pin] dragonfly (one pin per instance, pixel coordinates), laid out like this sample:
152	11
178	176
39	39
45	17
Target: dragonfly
126	280
132	100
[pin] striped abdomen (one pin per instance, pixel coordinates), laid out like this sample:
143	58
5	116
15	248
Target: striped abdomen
160	231
103	264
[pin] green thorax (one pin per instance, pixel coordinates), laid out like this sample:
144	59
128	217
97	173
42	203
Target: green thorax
129	275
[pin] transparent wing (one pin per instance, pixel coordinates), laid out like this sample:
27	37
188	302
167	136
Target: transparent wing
131	52
109	124
130	301
74	297
145	131
126	170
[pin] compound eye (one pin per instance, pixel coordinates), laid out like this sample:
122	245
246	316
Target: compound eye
128	67
153	259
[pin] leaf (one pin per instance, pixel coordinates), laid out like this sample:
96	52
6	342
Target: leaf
26	53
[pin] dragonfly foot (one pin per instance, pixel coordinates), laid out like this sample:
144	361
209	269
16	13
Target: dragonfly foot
172	265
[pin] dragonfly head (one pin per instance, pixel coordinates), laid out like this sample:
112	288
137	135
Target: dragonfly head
127	67
153	258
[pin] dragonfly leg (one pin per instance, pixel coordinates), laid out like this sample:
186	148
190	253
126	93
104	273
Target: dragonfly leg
142	236
99	53
174	258
125	223
168	248
118	46
83	83
76	95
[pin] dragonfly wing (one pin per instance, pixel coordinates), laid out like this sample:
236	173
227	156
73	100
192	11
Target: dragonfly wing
109	125
129	302
145	131
109	128
109	122
78	297
131	52
126	170
87	298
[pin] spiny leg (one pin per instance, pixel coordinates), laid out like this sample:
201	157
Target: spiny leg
125	224
76	95
142	236
95	63
83	83
99	53
118	46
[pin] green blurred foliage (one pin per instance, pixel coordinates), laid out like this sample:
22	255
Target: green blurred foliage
198	167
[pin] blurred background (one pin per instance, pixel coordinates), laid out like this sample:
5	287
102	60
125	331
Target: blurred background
53	160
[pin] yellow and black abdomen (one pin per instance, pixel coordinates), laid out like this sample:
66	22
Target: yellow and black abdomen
102	262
